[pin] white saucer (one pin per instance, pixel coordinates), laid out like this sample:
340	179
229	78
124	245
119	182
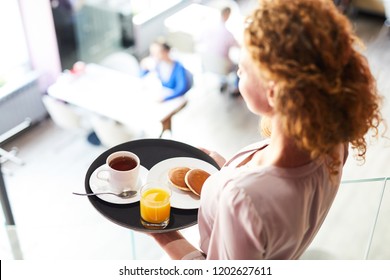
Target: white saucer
98	185
179	199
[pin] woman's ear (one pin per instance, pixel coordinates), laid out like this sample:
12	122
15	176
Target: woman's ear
270	92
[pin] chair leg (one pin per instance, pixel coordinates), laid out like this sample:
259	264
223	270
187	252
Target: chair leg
6	171
167	121
14	242
166	125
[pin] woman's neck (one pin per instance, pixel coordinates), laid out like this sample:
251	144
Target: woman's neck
282	151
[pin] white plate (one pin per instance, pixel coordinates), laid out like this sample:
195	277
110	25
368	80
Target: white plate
180	199
98	185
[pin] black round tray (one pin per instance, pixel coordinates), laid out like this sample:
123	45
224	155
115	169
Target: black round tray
150	152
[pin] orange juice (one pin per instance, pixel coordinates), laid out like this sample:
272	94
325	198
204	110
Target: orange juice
155	205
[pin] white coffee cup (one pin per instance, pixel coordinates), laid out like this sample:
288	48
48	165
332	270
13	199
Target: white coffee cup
122	171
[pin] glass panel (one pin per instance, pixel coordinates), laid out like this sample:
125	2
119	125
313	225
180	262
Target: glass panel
380	246
98	32
347	230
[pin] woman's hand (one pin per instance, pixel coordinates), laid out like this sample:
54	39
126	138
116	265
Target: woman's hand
220	160
174	244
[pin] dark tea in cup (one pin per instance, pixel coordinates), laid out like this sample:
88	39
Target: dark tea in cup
123	163
121	171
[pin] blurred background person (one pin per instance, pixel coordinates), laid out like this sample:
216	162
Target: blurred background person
175	78
214	45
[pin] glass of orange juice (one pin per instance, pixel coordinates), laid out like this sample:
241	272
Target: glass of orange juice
155	205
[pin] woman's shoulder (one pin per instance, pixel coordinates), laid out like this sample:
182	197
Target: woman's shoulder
247	150
257	145
177	64
257	181
178	67
245	180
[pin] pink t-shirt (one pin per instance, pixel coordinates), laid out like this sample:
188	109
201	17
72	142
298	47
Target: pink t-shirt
264	212
217	40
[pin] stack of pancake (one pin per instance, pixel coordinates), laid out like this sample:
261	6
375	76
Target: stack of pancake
187	179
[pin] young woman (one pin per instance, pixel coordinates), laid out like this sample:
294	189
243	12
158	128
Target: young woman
300	70
174	77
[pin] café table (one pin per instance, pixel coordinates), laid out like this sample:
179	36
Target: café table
124	98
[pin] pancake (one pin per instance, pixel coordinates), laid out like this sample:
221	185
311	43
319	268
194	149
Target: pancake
176	178
195	179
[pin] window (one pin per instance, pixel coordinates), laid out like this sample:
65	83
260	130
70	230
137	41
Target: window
145	10
13	48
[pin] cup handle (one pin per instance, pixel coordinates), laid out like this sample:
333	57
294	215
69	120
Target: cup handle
104	178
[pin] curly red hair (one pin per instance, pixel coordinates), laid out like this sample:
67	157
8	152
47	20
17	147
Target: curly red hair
325	92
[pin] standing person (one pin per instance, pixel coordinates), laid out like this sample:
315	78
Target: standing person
175	78
215	43
300	70
217	39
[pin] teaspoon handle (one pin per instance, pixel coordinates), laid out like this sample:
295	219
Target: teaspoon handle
86	194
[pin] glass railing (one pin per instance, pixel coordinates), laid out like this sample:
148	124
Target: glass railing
356	226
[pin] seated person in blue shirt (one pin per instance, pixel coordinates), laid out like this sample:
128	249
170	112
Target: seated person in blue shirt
172	74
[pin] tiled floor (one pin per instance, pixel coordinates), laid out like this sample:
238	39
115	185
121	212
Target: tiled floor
54	224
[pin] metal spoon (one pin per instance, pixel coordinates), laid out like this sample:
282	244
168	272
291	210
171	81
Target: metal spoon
125	194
